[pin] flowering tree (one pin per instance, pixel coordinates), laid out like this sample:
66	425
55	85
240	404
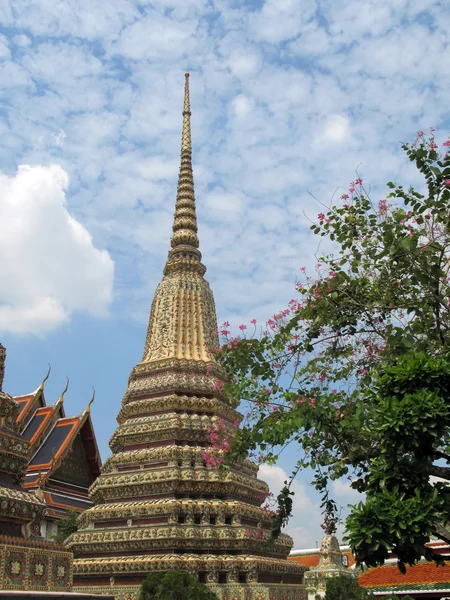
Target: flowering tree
356	371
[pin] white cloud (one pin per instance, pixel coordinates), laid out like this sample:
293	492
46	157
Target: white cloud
4	48
156	37
242	106
335	130
244	62
21	40
50	267
342	491
282	19
224	206
304	526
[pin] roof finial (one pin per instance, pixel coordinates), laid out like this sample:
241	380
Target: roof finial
88	407
41	387
184	240
61	398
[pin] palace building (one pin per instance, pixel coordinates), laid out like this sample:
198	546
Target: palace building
158	505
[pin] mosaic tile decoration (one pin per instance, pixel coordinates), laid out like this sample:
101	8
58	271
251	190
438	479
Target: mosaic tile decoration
34	568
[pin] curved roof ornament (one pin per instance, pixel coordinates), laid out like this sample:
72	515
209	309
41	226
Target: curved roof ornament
41	387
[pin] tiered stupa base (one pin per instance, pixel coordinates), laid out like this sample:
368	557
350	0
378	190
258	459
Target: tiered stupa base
230	577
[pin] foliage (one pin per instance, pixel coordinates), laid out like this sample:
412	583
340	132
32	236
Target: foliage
66	526
174	585
345	588
357	371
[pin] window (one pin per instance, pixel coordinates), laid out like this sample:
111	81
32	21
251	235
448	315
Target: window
181	518
228	520
197	519
222	577
212	520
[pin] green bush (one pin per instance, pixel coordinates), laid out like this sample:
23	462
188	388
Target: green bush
174	585
66	526
345	588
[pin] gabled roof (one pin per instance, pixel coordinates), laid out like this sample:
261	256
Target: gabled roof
28	404
64	455
58	442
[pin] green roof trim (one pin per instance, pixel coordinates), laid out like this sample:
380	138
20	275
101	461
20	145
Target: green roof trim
426	587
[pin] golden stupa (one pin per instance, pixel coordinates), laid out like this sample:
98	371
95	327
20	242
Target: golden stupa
158	505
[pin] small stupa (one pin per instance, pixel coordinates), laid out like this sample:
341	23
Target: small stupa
331	564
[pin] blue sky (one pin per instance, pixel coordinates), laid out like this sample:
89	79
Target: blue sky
288	99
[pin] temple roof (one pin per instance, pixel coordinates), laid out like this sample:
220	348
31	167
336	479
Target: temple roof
310	556
58	436
424	576
64	458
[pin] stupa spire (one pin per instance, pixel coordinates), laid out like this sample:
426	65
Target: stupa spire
184	255
2	365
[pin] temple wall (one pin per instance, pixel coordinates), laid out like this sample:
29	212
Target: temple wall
28	565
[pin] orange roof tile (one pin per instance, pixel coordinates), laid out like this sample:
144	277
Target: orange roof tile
389	575
312	560
309	560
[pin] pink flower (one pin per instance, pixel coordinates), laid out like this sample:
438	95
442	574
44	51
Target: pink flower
321	216
345	197
242	327
253	321
302	269
351	190
358	182
446	182
382	207
447	143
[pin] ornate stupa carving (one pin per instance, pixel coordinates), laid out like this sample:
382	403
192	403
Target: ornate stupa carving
158	505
